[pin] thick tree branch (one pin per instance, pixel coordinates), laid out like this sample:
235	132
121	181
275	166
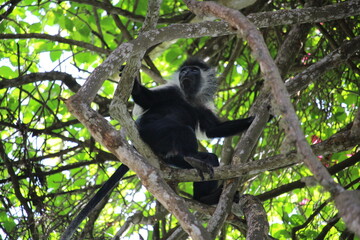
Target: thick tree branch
152	15
266	19
118	108
255	215
347	203
355	129
157	36
306	15
225	202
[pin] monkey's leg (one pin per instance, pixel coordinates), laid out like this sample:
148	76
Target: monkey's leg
207	192
177	144
200	166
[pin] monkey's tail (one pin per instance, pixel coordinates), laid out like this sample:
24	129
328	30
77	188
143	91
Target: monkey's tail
103	191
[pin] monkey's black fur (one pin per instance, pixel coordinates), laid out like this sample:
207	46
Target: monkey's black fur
170	117
174	112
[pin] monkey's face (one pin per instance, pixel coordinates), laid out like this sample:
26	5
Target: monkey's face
190	80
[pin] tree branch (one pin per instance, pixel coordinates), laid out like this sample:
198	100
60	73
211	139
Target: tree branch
56	39
300	183
306	15
355	129
255	215
336	143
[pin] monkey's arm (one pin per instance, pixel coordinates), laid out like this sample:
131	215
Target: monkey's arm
147	98
229	128
214	128
142	96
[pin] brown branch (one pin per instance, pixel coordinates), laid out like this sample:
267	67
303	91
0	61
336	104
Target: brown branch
300	184
35	77
306	15
255	215
118	108
66	78
330	61
355	129
152	15
56	39
291	46
129	15
347	203
231	16
9	10
265	19
17	189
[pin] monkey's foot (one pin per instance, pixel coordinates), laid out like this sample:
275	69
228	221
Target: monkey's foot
200	166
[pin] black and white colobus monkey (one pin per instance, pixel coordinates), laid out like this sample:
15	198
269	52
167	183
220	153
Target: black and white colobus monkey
170	117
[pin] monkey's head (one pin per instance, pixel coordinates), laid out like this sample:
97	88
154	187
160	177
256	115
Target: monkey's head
197	81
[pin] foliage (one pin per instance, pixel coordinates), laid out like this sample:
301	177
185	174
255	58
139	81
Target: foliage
51	166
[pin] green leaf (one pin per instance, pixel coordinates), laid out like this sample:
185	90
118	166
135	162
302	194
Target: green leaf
83	29
8	223
44	46
69	24
7	72
296	219
35	27
85	57
55	55
340	114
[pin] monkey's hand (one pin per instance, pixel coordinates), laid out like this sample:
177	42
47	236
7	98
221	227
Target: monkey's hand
200	166
121	69
137	87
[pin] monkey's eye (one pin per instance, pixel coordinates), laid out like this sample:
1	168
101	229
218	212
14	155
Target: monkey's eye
194	69
190	69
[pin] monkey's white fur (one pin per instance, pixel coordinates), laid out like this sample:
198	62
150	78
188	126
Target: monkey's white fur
204	97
